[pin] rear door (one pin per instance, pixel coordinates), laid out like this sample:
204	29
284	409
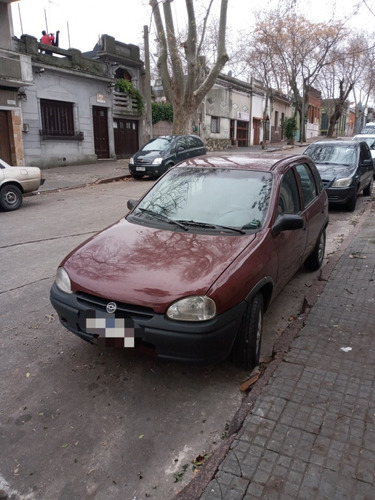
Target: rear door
314	205
290	245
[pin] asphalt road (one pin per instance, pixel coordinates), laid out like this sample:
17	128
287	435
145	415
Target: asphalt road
80	422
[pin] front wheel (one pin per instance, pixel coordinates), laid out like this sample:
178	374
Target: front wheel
351	204
10	197
315	260
368	189
246	349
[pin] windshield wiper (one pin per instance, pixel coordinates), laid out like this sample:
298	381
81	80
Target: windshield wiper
162	217
210	226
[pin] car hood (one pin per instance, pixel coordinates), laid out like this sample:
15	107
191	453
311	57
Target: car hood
149	156
331	171
150	266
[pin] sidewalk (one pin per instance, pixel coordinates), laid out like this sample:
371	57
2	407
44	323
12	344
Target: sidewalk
307	429
73	176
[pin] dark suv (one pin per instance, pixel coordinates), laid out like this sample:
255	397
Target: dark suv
163	152
346	169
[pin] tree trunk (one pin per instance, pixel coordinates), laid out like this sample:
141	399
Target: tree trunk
186	82
339	108
184	119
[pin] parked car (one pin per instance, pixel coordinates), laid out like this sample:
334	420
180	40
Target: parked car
191	269
370	139
14	181
163	152
346	169
369	128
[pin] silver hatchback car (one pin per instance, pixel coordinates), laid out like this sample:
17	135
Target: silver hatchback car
14	182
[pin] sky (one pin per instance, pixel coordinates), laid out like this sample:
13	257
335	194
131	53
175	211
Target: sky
81	22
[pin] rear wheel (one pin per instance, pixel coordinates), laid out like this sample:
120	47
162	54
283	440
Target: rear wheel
246	349
368	189
10	197
315	259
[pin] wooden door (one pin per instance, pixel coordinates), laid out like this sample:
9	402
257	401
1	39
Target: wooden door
126	137
101	142
256	127
5	148
242	134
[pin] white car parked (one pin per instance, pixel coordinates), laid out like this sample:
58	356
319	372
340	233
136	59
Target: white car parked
14	181
370	139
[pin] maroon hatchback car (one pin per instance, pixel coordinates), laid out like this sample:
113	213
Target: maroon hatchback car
191	269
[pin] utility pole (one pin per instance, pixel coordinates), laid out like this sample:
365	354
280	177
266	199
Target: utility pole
147	85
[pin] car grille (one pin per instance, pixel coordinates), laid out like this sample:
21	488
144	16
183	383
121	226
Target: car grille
127	310
325	182
141	161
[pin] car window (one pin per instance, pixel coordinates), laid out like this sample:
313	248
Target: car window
190	142
182	143
337	154
222	196
309	189
289	202
365	152
158	144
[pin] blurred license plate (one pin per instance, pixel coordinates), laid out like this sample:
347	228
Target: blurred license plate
140	169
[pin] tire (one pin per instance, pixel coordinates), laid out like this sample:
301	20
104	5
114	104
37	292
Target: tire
168	166
368	189
315	260
351	204
10	197
246	348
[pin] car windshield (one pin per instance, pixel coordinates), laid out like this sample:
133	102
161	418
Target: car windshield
336	154
159	144
219	197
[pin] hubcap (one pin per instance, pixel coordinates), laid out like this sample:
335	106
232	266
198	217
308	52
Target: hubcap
10	198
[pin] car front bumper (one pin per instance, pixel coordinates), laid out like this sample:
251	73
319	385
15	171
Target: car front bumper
197	342
146	169
341	195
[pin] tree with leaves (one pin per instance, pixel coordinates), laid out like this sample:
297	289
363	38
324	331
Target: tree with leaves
184	75
293	50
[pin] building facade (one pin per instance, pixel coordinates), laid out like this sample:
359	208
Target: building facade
61	107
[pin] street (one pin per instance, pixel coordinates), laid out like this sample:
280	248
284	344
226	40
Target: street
80	422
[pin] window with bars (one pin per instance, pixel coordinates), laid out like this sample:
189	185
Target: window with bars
215	124
57	118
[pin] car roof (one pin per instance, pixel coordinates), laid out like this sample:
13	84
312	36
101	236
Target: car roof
338	142
267	162
364	136
173	136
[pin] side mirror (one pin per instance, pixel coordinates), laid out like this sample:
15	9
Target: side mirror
131	204
287	222
367	163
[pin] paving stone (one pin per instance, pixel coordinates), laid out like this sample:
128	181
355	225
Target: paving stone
311	433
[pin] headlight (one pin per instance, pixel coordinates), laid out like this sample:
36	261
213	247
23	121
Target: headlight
131	161
63	280
157	161
342	183
195	308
